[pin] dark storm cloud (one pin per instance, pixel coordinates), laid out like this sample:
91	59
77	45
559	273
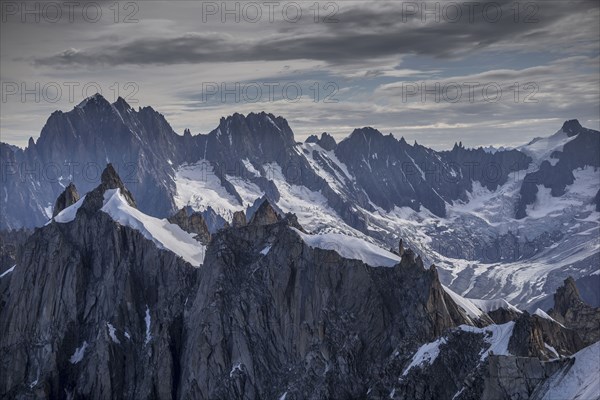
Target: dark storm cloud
360	34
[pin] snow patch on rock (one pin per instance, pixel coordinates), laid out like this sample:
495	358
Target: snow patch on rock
164	234
493	305
426	354
470	308
578	380
79	353
69	213
8	271
352	248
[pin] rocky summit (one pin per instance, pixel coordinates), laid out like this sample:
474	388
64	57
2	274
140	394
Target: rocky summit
118	305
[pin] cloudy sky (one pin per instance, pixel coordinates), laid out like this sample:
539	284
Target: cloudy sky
497	73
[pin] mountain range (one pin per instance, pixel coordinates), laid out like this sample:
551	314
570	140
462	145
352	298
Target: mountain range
510	223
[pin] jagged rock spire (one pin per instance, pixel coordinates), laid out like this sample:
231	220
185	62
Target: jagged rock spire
570	310
265	215
109	180
566	296
327	141
401	248
239	219
312	139
192	222
408	256
67	198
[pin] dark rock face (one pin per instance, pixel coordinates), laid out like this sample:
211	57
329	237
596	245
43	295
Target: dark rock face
489	169
312	139
572	127
301	320
384	168
66	199
192	222
459	371
503	315
447	375
327	141
102	316
24	208
11	244
531	334
239	219
213	220
588	289
572	312
265	214
510	377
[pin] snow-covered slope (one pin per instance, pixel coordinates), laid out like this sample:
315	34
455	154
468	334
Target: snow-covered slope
541	148
497	336
470	308
492	305
199	187
426	354
69	213
352	248
543	314
164	234
577	381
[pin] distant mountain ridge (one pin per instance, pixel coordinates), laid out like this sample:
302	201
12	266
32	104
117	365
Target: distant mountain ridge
144	148
480	216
